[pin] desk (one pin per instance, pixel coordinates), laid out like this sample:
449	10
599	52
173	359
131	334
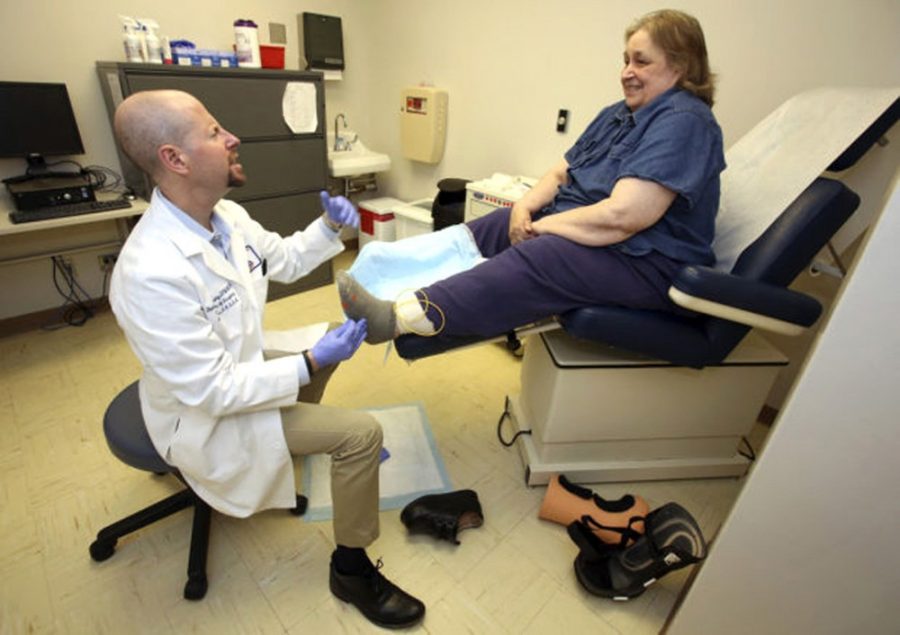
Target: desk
9	229
26	273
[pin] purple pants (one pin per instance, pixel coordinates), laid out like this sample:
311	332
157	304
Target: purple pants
541	277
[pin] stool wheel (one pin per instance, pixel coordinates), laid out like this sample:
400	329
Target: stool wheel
102	549
300	509
196	587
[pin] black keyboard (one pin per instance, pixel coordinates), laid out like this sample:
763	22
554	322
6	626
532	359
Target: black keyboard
62	211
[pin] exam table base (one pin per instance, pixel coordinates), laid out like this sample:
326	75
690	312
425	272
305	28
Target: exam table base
597	415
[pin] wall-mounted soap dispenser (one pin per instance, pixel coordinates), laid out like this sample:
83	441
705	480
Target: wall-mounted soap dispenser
423	123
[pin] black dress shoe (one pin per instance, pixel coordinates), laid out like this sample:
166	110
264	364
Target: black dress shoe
379	599
443	515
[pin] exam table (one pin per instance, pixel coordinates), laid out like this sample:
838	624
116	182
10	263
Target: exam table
620	394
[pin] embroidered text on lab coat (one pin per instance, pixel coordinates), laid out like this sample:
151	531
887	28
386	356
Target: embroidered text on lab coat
226	298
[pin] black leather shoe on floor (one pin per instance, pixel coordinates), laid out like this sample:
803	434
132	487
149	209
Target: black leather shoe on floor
379	599
443	515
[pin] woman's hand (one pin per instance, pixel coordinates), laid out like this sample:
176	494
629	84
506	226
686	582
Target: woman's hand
539	196
633	206
519	224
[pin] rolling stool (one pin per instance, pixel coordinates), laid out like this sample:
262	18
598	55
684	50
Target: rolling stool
128	440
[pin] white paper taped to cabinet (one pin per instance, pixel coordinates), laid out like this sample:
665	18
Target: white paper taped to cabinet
298	107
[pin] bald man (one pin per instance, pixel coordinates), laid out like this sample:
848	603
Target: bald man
189	290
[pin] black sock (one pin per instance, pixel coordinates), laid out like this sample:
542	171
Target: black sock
351	560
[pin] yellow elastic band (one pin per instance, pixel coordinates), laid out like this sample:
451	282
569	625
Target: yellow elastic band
404	325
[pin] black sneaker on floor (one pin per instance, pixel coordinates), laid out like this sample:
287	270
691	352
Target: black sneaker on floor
671	540
379	599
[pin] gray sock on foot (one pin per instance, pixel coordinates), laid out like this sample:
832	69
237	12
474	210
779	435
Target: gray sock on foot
359	303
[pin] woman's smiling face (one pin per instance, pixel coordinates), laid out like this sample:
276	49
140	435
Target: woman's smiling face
647	73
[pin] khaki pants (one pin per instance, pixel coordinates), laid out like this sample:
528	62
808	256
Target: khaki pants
353	439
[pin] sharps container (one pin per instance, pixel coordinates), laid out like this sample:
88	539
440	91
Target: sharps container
376	220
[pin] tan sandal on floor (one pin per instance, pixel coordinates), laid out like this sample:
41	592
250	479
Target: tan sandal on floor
565	502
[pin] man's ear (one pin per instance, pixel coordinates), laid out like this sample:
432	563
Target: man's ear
172	159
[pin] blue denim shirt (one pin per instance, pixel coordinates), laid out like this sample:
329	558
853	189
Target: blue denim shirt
674	141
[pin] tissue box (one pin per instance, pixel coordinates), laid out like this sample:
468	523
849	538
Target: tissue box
202	57
271	56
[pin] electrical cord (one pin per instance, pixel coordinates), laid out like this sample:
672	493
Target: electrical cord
100	178
750	454
503	416
75	309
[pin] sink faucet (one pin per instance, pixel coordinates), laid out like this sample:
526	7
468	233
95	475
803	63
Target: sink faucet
338	142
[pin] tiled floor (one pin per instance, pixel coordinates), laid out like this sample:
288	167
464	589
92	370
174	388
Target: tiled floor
59	485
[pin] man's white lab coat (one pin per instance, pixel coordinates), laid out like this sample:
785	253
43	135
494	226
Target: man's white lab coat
209	399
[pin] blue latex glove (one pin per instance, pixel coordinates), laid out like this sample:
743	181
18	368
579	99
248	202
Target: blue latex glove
339	209
339	344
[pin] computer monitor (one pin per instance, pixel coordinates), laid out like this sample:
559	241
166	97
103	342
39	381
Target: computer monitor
36	120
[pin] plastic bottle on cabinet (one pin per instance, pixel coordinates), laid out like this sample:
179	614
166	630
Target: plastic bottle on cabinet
142	41
246	43
154	45
167	51
130	40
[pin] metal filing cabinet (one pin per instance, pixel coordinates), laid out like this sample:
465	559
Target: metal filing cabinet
285	171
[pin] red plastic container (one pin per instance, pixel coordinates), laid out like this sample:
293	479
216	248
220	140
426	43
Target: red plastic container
271	56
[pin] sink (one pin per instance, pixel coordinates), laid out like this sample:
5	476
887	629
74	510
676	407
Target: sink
357	160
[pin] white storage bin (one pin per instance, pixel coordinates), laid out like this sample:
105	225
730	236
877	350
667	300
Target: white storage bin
413	219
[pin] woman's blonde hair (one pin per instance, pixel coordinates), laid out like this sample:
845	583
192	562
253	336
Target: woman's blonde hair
680	37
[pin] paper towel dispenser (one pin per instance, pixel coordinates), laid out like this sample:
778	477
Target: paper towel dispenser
323	41
423	123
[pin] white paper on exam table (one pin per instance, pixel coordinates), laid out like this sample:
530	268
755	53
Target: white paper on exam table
781	156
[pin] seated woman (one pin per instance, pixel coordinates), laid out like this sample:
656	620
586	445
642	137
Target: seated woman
631	202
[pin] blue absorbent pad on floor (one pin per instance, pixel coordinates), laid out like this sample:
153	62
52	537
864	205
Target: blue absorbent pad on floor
413	468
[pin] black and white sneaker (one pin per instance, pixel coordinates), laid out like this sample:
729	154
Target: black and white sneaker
671	540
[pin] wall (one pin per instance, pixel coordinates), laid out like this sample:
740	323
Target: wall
509	66
810	545
59	42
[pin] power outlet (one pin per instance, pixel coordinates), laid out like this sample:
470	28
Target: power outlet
107	261
562	120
